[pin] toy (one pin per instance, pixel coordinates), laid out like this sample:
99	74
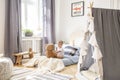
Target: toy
30	53
50	52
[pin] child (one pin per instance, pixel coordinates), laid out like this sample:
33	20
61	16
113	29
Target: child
59	49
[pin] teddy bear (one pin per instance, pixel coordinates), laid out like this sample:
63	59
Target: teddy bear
50	52
30	53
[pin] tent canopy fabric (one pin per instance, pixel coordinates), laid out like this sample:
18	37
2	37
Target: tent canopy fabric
107	27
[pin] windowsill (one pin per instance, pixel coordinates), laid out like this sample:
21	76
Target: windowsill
30	38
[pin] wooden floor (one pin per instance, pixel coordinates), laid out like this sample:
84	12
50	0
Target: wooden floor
70	70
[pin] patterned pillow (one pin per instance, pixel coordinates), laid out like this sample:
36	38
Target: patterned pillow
69	50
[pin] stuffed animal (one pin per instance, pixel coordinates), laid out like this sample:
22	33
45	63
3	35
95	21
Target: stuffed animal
30	53
50	52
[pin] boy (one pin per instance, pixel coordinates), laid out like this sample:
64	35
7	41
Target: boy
59	49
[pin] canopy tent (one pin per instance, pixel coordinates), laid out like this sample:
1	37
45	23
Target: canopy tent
106	40
94	66
104	30
90	54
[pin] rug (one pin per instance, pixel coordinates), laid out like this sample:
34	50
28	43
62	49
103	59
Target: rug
48	76
33	74
20	73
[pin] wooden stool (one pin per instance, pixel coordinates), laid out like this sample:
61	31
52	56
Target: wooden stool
18	59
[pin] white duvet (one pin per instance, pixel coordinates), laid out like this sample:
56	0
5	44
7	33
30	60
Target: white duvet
47	64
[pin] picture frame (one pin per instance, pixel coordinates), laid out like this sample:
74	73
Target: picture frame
77	9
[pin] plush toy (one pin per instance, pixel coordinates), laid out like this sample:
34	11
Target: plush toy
50	52
30	53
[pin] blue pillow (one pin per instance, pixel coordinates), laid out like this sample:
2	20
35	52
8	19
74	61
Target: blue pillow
77	52
70	50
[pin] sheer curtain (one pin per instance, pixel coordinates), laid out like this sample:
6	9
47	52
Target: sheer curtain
12	42
107	27
48	23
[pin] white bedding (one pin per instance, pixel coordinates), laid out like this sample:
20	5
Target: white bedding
46	64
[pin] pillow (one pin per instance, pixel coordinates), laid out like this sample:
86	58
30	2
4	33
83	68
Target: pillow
69	50
77	51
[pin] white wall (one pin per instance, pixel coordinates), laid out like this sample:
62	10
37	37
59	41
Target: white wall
2	22
66	25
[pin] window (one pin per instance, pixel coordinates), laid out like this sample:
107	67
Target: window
31	14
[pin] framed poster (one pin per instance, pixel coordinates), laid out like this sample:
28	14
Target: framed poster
77	9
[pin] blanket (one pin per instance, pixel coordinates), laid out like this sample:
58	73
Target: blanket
47	64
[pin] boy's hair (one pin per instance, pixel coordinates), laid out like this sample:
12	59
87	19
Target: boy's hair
60	41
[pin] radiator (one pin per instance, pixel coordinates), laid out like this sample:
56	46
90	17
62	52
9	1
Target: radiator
31	42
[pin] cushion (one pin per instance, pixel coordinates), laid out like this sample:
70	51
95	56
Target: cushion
70	50
77	51
6	67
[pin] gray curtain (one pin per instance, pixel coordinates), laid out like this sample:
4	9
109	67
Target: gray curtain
48	22
12	42
107	27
